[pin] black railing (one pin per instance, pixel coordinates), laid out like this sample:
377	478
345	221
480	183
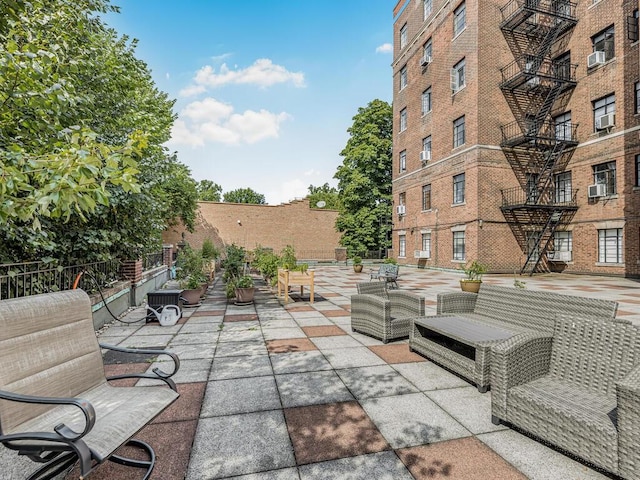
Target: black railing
152	260
24	279
513	133
529	68
516	10
515	197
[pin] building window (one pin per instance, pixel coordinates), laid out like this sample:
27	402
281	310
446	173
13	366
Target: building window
563	127
458	76
402	199
610	245
603	106
632	26
403	119
458	188
427	6
637	89
402	245
637	170
426	147
562	187
403	77
563	242
426	101
403	36
426	244
427	49
605	174
426	197
458	132
459	20
403	161
562	66
604	42
458	246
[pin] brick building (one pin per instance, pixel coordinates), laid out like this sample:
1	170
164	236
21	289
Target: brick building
311	231
517	135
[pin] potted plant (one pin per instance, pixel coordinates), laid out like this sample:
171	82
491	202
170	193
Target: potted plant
192	290
357	264
474	272
244	290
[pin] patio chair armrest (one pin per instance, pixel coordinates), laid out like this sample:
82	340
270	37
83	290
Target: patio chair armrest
159	374
456	302
365	305
628	396
406	304
62	430
515	361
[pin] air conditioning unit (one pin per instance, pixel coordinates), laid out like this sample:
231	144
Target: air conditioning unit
595	59
420	254
607	120
425	60
597	190
533	82
561	256
425	155
400	209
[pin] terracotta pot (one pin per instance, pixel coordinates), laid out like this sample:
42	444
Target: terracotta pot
244	296
191	296
357	268
470	285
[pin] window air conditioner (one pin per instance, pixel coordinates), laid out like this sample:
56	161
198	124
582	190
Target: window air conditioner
425	60
560	256
400	209
595	59
420	254
425	155
597	190
607	120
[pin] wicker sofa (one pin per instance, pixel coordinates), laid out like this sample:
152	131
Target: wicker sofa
467	324
382	313
579	390
56	405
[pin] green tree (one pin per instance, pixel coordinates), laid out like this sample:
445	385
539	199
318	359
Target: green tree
244	195
364	180
326	194
209	191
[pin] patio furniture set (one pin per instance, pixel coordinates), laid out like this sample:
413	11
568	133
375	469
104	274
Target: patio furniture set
560	367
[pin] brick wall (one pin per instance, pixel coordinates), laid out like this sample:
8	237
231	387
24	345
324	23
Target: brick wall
310	231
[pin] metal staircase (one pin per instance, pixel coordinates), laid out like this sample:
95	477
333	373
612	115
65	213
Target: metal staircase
535	85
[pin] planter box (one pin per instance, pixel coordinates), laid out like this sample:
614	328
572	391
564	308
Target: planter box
287	278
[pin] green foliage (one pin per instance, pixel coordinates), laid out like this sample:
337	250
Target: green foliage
390	260
209	251
245	281
325	193
475	270
244	195
230	288
266	262
357	260
364	180
288	258
209	191
84	172
234	262
189	263
192	282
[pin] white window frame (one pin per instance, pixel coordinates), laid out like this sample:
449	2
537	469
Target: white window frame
604	41
426	243
459	19
427	48
458	188
426	144
403	119
602	106
404	36
605	174
458	76
426	193
562	187
427	8
459	133
563	241
610	245
404	77
563	126
426	101
402	161
402	245
458	246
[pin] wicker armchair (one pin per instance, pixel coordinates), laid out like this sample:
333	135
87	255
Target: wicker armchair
384	314
579	390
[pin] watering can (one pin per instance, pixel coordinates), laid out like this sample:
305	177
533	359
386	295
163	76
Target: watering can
168	316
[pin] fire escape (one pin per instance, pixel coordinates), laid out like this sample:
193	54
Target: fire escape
536	84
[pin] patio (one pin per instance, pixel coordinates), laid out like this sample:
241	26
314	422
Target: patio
277	392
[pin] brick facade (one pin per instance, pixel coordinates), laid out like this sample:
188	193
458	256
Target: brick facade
310	231
488	237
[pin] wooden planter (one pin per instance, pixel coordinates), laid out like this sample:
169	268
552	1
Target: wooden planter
288	278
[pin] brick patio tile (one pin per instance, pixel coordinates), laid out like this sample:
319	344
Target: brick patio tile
207	313
300	308
290	345
462	459
335	313
122	369
331	431
323	331
396	353
242	317
187	406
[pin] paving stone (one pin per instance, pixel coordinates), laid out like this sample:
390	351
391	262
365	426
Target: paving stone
352	357
377	381
398	353
429	376
297	362
378	466
194	338
310	388
281	333
284	474
339	341
190	371
252	334
287	345
235	349
240	367
240	395
191	351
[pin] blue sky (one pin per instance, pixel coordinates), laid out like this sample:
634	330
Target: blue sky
265	90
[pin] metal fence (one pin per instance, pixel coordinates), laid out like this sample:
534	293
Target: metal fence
31	278
152	260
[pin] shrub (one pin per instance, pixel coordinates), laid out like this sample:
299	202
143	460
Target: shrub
209	251
245	281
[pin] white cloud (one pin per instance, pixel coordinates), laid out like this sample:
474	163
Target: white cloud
384	48
263	73
212	121
287	191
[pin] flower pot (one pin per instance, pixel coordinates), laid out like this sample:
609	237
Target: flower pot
357	268
244	296
191	296
470	285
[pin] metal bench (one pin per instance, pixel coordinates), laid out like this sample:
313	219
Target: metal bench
56	405
387	272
